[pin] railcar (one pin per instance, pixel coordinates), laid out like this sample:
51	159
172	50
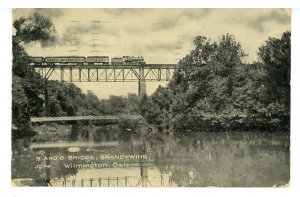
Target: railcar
97	60
65	60
36	60
117	61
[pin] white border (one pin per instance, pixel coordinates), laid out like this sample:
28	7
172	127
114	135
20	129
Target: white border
295	98
5	98
150	3
5	103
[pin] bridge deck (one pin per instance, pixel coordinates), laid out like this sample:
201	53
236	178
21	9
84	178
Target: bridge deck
82	118
127	66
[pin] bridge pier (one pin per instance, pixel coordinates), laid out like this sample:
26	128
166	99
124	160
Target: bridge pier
142	88
142	83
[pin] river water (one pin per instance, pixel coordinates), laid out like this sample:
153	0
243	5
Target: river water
118	158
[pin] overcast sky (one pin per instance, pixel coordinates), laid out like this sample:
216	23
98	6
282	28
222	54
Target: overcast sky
160	35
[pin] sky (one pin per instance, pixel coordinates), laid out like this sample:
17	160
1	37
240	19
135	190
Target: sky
159	35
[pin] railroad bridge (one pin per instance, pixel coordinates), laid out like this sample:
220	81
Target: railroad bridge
108	73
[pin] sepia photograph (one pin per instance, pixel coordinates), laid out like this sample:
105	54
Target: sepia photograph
142	97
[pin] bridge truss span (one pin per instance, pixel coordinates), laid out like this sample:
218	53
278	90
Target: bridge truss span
121	73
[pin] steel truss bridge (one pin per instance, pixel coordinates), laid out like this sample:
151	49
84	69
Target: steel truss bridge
106	73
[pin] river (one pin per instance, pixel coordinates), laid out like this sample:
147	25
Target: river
119	158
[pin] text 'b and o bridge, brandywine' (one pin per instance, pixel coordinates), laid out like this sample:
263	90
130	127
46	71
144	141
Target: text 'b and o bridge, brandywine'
107	73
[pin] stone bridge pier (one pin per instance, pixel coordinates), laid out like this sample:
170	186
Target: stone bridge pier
142	83
142	88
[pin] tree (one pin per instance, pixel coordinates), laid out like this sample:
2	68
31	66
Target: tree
34	28
229	53
27	84
132	103
204	51
117	104
276	56
19	105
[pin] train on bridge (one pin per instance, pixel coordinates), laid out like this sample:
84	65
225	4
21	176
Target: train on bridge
89	60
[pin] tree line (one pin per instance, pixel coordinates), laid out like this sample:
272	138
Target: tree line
212	90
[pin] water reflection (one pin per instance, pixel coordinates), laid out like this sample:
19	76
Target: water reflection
189	159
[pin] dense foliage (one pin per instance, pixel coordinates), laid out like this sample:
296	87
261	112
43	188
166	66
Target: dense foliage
212	90
29	89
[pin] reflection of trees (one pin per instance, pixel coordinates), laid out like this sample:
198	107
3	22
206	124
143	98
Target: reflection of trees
223	159
74	132
23	158
58	170
181	176
24	162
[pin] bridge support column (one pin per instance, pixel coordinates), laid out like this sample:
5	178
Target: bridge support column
142	83
142	88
